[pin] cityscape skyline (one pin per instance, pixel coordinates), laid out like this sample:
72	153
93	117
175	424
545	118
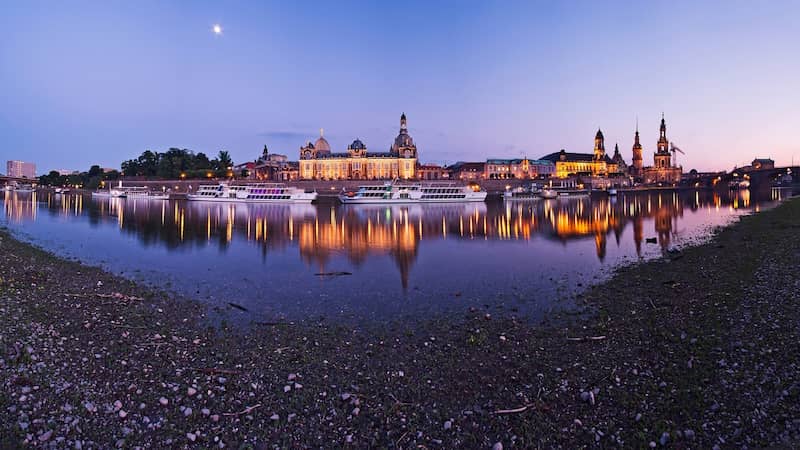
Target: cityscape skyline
484	81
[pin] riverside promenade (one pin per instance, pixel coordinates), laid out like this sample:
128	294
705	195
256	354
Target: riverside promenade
697	349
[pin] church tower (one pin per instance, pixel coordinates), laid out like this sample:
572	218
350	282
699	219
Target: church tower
637	153
662	157
599	146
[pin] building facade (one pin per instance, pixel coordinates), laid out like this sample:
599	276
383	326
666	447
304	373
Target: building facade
595	164
431	172
20	169
317	162
520	169
663	170
470	171
274	167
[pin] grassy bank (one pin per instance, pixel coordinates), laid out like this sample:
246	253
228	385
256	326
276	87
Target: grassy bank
697	349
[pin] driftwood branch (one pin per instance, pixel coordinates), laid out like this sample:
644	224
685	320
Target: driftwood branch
586	338
514	410
244	411
214	371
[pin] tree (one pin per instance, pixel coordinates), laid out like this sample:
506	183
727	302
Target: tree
148	163
224	159
131	168
95	171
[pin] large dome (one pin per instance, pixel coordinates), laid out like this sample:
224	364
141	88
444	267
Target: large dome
403	140
322	145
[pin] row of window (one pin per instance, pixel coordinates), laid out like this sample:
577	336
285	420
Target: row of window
429	197
268	197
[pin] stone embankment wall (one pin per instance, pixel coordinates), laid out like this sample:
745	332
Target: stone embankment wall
324	188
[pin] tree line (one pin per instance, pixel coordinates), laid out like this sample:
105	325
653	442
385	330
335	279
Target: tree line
175	163
91	179
178	163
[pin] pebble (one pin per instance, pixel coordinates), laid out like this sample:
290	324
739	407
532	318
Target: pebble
287	388
117	405
448	424
191	436
191	391
577	422
215	418
205	411
89	406
356	411
187	412
122	414
497	446
298	386
46	436
275	417
689	434
664	438
163	401
345	396
291	376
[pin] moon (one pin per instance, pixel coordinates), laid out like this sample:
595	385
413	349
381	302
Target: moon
217	29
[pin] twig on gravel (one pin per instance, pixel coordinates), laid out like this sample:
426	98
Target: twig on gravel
586	338
398	402
514	410
213	371
397	444
244	411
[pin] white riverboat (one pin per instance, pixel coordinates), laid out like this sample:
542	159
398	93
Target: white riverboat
60	190
131	192
393	192
252	193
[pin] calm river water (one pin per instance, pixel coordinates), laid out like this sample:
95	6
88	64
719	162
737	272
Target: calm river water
402	262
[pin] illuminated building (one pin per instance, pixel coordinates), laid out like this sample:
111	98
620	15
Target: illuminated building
595	164
501	169
467	170
637	164
317	162
20	169
663	171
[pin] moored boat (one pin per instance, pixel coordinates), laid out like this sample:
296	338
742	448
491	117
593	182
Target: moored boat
521	193
252	193
395	193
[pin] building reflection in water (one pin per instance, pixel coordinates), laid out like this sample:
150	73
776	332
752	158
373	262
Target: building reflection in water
360	232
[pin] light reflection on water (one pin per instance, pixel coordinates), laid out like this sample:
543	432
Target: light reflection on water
410	260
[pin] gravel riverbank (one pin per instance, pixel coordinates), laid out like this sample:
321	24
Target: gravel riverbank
695	350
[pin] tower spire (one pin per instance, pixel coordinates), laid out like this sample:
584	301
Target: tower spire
321	132
403	122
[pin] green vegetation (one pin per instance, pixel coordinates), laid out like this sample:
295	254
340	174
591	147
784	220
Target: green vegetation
178	163
91	179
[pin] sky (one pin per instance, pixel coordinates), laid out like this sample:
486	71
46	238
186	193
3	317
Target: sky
98	82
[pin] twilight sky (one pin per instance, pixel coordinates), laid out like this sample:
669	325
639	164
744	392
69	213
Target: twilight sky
98	82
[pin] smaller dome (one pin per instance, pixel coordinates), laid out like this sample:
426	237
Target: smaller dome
357	145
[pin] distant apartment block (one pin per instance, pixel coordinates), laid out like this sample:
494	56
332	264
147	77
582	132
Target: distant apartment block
20	169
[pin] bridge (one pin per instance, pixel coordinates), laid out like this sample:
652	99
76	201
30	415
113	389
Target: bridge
757	177
6	180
